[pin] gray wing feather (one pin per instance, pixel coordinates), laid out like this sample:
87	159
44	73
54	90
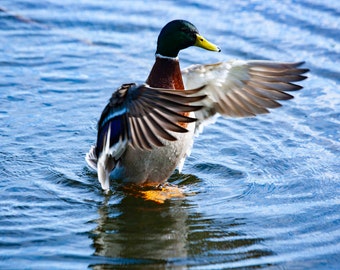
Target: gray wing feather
242	88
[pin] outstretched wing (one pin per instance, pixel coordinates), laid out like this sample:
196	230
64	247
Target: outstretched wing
141	116
243	88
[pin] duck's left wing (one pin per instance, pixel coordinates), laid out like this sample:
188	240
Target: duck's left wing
153	112
243	88
141	116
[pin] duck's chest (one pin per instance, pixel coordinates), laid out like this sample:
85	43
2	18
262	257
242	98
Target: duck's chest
166	73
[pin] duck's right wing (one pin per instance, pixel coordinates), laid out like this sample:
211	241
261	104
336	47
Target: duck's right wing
242	88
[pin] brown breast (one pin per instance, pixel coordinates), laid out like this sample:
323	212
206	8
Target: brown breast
166	73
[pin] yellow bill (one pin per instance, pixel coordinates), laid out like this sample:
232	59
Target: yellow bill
205	44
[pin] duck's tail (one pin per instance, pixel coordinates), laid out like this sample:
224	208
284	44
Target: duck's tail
91	158
104	165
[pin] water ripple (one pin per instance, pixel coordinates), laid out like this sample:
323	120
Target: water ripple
265	194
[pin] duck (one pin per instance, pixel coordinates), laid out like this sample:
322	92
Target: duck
147	130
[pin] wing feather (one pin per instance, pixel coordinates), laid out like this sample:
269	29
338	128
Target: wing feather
141	116
151	131
159	128
142	134
242	88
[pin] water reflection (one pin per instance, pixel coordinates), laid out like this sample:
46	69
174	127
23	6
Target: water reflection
137	232
139	229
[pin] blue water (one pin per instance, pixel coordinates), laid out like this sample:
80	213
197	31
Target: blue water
261	192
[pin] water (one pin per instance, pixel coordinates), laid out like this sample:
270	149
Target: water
265	195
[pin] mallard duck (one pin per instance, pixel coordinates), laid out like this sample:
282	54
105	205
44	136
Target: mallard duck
146	131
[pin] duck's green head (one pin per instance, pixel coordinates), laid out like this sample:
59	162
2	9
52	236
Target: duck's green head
178	35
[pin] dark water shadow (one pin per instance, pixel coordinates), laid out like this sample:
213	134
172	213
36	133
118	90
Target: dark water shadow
140	232
135	233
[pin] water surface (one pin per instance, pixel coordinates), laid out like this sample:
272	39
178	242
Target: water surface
264	194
